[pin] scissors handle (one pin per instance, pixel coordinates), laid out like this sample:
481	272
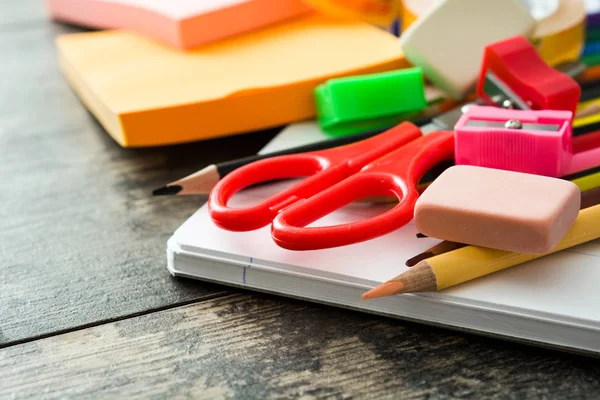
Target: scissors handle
322	168
396	174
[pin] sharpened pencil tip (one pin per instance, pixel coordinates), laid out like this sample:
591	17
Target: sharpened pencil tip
167	190
420	235
385	289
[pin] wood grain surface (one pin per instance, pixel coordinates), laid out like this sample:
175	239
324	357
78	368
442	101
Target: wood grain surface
83	240
258	347
88	310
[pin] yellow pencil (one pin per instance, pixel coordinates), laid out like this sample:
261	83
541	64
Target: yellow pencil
471	262
586	109
587	114
587	182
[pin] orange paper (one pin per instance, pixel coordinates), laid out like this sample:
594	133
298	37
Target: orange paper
148	94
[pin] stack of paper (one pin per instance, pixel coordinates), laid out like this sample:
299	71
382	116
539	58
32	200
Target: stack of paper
183	24
145	93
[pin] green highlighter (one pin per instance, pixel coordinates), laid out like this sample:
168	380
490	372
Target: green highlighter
363	103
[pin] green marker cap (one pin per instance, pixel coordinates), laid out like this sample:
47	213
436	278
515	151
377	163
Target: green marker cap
369	102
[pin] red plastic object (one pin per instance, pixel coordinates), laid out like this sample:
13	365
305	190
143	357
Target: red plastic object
396	174
391	163
517	64
323	168
586	142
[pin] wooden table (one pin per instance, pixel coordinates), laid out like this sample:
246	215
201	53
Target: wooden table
88	309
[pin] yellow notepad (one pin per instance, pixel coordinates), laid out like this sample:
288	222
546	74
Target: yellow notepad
146	94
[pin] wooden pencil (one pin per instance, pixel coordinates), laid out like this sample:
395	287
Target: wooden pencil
590	198
440	248
591	109
585	180
202	182
591	74
471	262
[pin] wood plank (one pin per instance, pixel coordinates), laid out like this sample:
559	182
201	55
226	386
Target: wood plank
255	346
82	238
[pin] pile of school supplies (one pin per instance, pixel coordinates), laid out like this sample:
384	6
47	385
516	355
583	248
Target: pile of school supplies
148	88
517	133
548	301
468	145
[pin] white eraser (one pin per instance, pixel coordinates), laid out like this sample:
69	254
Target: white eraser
448	40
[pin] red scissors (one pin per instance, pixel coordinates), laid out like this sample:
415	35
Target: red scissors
391	163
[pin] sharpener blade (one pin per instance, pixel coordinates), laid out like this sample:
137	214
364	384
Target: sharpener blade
496	89
502	124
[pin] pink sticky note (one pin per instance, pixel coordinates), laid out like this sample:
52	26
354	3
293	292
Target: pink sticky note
183	24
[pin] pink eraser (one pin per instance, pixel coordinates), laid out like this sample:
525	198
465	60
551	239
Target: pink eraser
499	209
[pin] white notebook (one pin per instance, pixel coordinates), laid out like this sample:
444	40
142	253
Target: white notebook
553	301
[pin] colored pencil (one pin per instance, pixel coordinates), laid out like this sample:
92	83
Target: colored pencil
589	91
591	74
588	110
440	248
471	262
590	198
585	180
202	182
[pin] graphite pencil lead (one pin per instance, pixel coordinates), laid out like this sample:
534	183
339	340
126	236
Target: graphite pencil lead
167	190
198	183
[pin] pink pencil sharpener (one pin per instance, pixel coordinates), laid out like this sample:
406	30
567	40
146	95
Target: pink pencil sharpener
536	142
